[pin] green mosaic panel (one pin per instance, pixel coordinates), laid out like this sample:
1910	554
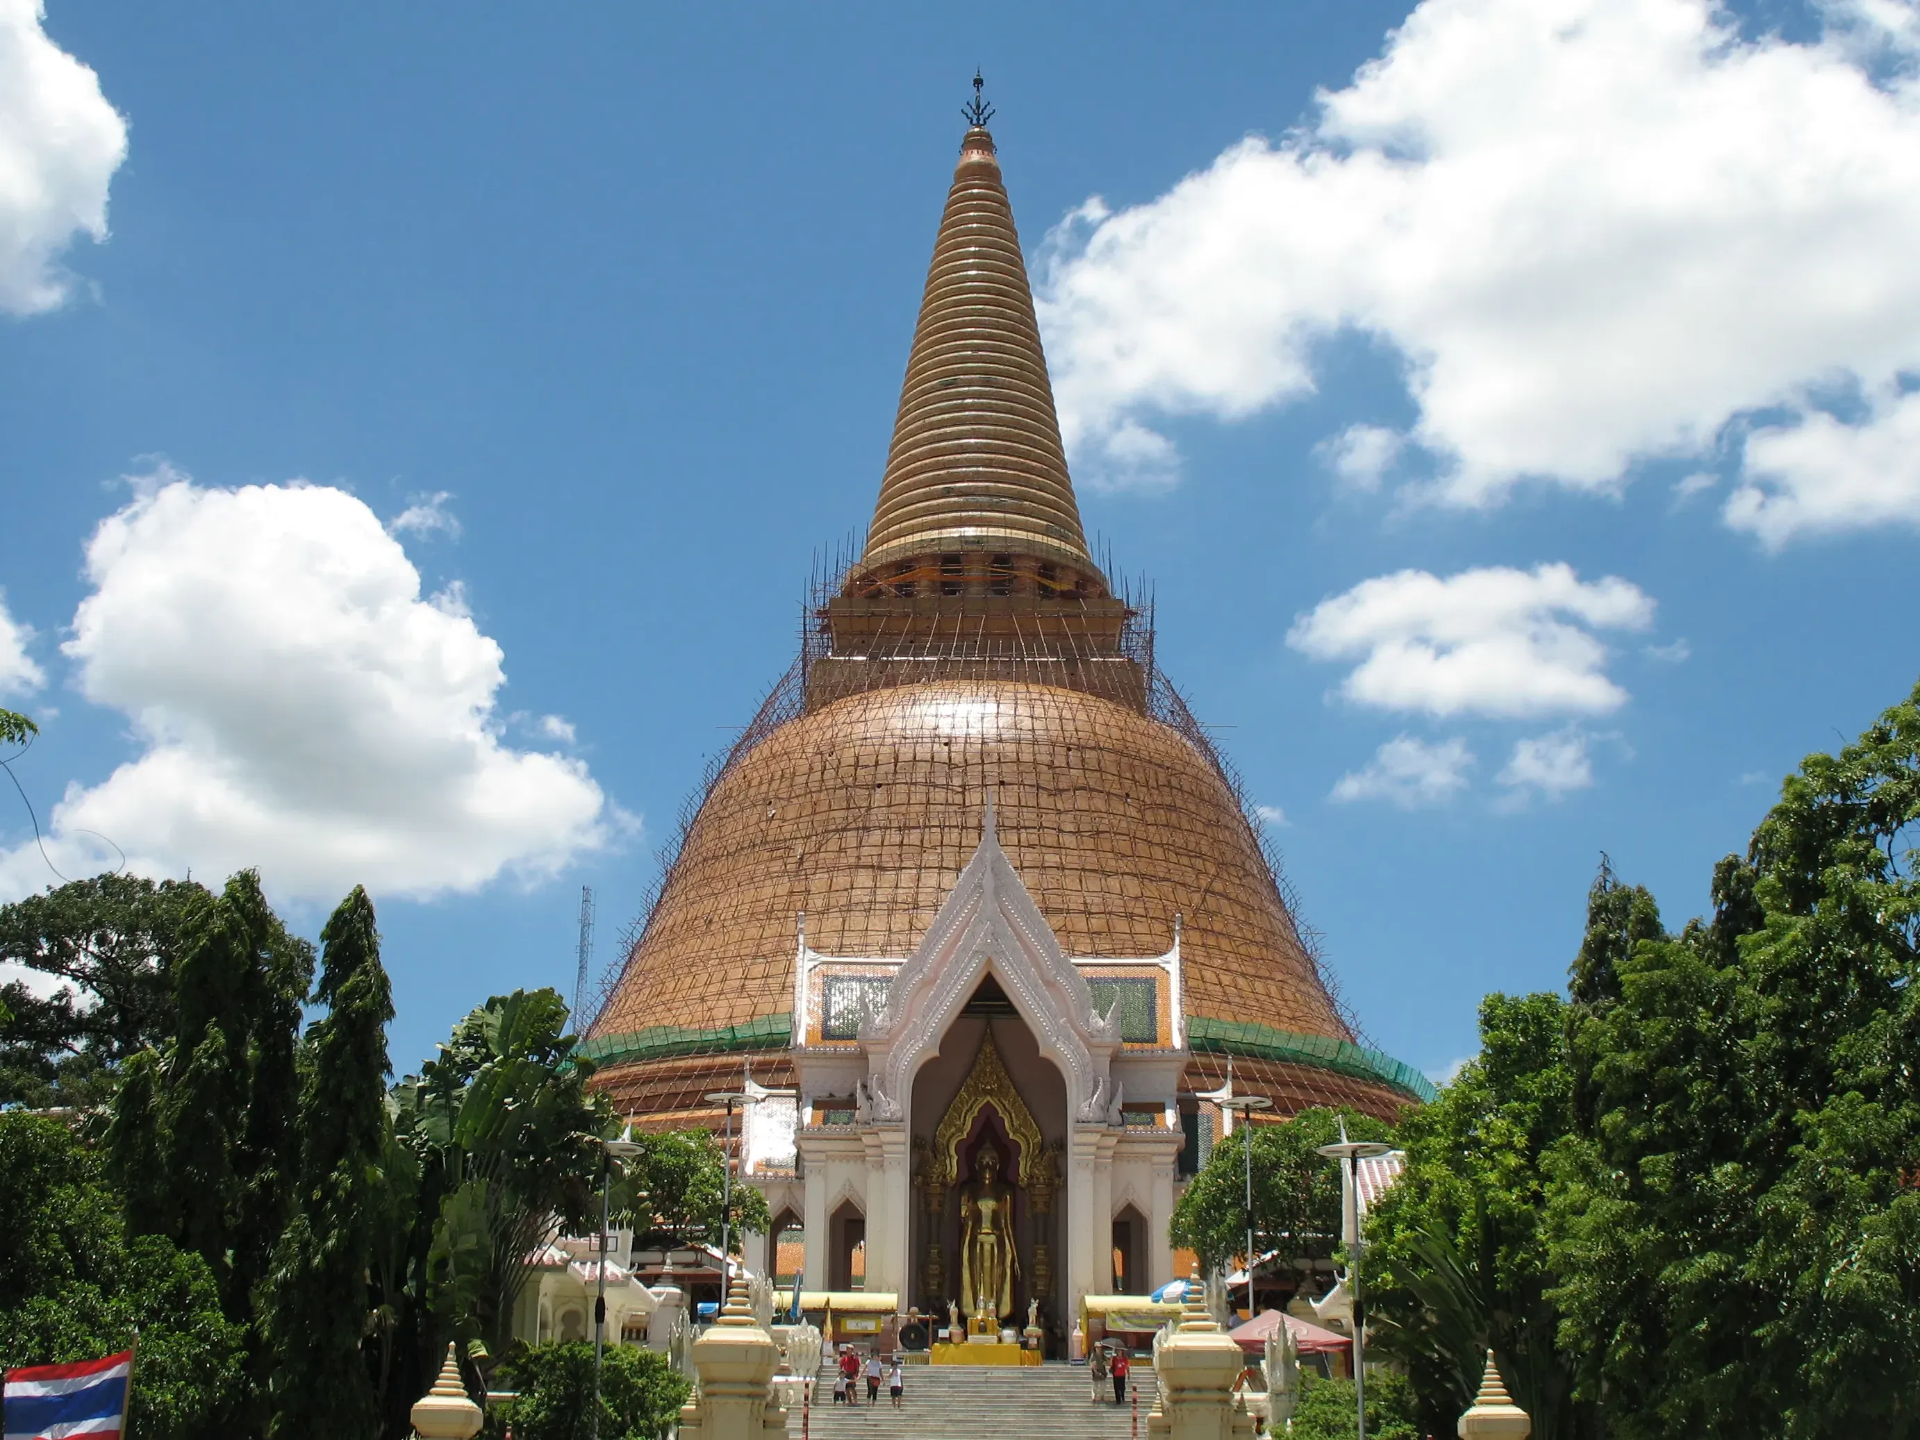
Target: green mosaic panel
1139	1005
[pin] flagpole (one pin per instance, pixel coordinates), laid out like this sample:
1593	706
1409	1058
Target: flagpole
133	1359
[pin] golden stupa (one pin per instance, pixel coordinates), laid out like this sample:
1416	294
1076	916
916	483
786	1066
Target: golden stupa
974	653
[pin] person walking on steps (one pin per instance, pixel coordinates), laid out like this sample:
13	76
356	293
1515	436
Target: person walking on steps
874	1366
1097	1371
897	1381
850	1374
1120	1368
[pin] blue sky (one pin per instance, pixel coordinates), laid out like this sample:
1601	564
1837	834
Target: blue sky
1519	435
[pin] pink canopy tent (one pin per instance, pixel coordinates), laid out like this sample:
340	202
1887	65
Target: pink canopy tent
1308	1338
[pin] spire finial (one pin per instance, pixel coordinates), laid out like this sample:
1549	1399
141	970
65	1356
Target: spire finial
978	112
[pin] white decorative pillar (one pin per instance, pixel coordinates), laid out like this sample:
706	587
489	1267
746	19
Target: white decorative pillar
735	1360
1159	1247
1083	1240
814	1222
887	1201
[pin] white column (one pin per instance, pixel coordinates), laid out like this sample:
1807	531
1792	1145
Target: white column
815	1223
1159	1247
1083	1237
887	1198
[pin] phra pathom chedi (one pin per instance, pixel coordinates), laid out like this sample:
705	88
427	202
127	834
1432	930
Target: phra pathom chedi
974	913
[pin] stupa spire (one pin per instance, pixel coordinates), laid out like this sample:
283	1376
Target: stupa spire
976	464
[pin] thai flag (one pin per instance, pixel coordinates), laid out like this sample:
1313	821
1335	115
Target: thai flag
52	1402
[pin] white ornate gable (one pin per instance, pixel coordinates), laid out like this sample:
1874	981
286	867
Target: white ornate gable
989	923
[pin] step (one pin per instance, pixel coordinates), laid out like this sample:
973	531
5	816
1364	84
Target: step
1046	1402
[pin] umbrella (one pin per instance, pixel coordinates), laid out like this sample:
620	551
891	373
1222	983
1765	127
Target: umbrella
1308	1338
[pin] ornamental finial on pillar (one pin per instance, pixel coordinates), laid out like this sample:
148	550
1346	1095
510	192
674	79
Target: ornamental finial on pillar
1493	1414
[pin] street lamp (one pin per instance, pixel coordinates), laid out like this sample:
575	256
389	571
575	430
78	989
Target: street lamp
610	1150
728	1098
1349	1153
1248	1104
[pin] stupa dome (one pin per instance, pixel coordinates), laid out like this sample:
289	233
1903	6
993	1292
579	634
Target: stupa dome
861	815
974	653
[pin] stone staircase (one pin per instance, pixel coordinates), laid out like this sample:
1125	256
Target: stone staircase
1050	1402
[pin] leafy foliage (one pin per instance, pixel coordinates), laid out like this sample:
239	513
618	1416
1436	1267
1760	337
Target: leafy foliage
317	1296
113	941
16	729
640	1393
675	1187
500	1134
203	1141
1738	1231
1457	1263
1326	1410
1296	1192
73	1286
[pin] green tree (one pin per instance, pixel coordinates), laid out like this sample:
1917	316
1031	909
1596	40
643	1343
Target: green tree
317	1297
676	1185
1456	1262
640	1393
503	1136
113	941
16	729
1296	1192
202	1140
1738	1230
74	1286
1326	1410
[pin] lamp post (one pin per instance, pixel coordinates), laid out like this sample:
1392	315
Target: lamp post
1349	1153
729	1098
1247	1104
610	1150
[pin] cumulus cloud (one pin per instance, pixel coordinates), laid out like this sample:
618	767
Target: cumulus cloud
1593	230
1822	475
1549	765
1410	773
60	142
1271	815
301	707
19	675
1361	455
1493	642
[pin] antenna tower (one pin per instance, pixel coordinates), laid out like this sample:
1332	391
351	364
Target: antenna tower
586	952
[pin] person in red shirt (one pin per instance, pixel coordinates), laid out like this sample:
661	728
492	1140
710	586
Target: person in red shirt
850	1369
1120	1368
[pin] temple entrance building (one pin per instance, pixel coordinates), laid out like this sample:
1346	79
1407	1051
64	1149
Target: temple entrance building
974	913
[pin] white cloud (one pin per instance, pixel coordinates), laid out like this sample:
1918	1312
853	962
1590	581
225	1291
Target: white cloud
1594	230
19	675
1410	773
1447	1074
1271	815
1495	642
60	142
1551	765
426	515
301	708
1823	476
1675	653
555	728
1361	455
1689	486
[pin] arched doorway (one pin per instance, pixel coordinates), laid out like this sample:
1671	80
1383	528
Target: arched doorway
787	1249
847	1248
989	1088
1129	1252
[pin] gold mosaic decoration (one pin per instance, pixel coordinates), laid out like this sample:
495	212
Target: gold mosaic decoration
986	1084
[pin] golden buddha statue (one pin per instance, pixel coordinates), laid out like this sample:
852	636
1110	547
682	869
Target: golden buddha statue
988	1260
